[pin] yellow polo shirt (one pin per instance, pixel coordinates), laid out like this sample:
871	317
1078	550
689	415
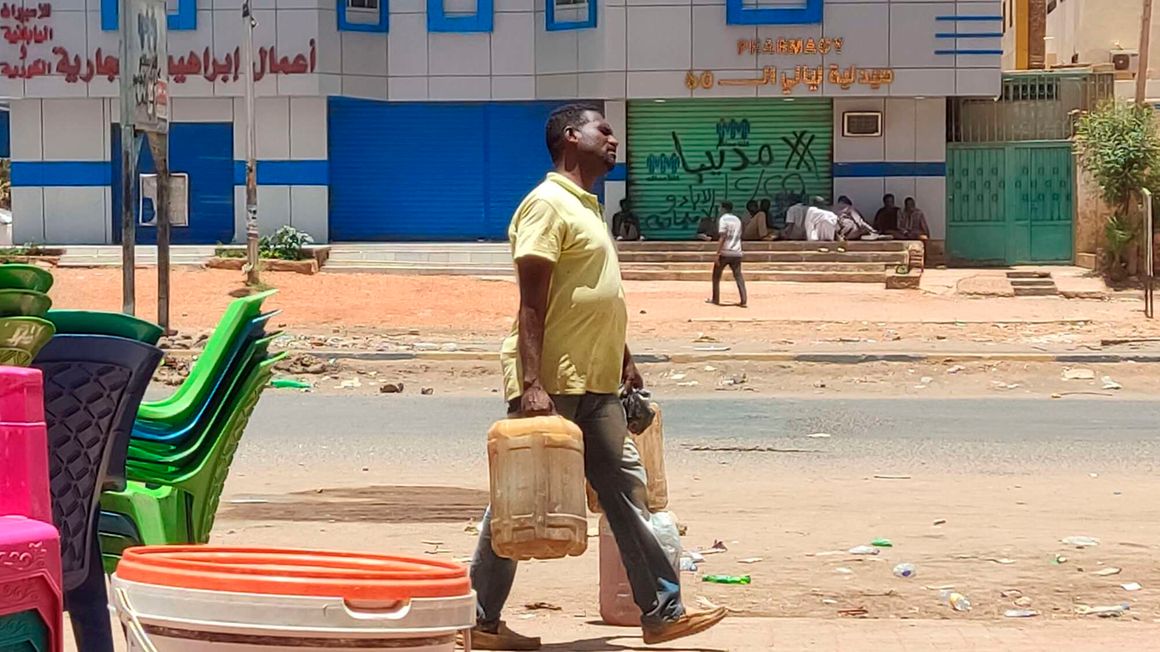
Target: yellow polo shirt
584	329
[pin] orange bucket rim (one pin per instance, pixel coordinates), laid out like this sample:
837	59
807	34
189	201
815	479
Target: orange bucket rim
296	572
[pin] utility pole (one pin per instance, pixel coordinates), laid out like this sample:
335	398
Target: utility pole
129	149
159	146
1142	62
253	276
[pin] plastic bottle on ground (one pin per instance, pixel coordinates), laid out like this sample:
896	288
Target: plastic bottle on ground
905	571
956	600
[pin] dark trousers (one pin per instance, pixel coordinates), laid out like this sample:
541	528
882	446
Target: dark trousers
616	474
733	263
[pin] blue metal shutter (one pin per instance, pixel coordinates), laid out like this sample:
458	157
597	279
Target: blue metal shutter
204	151
5	134
406	171
517	158
437	171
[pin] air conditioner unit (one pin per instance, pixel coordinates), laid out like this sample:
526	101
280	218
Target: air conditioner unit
1125	60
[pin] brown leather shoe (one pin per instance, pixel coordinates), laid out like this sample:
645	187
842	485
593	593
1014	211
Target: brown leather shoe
501	639
688	625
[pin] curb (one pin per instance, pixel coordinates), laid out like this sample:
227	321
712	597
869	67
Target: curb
836	358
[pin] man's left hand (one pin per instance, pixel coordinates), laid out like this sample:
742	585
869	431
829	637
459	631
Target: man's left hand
632	378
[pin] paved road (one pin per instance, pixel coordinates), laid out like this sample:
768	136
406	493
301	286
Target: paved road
970	435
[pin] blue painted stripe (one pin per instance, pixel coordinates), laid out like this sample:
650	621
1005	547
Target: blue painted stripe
618	173
969	35
892	169
61	174
971	19
972	52
286	173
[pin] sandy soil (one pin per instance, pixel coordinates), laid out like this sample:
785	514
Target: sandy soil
433	308
984	535
938	378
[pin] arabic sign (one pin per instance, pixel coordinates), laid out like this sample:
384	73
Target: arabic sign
147	81
22	27
813	77
27	33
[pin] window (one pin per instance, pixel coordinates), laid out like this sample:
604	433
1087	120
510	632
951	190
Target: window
563	15
369	5
862	124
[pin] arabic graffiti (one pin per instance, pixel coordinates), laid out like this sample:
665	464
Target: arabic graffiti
683	179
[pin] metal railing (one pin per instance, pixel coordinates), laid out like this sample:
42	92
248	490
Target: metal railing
1149	257
1031	106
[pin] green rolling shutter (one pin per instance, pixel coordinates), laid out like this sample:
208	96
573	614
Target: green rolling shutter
687	156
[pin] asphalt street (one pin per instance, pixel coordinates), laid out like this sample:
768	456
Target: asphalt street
972	435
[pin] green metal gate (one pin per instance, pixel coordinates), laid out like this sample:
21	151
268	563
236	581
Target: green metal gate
1010	203
687	156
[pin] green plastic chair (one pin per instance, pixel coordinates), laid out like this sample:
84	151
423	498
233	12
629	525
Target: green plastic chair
19	276
27	334
170	454
183	403
183	509
24	631
24	303
97	322
162	472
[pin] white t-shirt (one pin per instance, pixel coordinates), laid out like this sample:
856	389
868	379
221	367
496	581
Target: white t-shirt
729	228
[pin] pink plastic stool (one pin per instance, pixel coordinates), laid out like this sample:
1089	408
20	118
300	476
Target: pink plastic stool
30	573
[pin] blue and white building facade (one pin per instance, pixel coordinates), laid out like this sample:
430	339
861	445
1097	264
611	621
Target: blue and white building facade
423	119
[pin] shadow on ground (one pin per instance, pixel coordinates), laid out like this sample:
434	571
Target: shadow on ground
376	504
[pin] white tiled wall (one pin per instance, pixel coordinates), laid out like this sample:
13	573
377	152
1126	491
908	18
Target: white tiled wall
914	131
648	46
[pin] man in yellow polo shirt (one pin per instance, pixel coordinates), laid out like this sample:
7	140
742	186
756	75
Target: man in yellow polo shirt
567	355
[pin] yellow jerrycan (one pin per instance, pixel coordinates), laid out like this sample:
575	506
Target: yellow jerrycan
537	488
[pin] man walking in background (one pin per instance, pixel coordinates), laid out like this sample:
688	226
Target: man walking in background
567	355
729	253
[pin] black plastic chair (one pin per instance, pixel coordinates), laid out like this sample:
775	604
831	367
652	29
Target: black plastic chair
93	385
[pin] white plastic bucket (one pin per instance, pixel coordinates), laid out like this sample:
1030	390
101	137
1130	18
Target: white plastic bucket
170	619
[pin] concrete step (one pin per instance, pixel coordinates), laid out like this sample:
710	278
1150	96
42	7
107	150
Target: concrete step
748	267
1026	275
757	275
1036	291
110	256
1031	282
698	245
425	269
881	257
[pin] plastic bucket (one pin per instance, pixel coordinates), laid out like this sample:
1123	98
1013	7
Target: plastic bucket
211	599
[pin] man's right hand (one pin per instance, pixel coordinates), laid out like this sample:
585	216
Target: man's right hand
536	402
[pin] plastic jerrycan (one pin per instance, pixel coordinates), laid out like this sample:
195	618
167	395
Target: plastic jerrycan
617	607
537	488
651	446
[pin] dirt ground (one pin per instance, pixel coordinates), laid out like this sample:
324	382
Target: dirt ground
941	378
379	311
996	539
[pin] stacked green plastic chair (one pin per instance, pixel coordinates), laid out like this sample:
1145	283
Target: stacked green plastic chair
181	448
23	304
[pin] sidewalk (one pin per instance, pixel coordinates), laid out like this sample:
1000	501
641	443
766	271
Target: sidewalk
853	635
